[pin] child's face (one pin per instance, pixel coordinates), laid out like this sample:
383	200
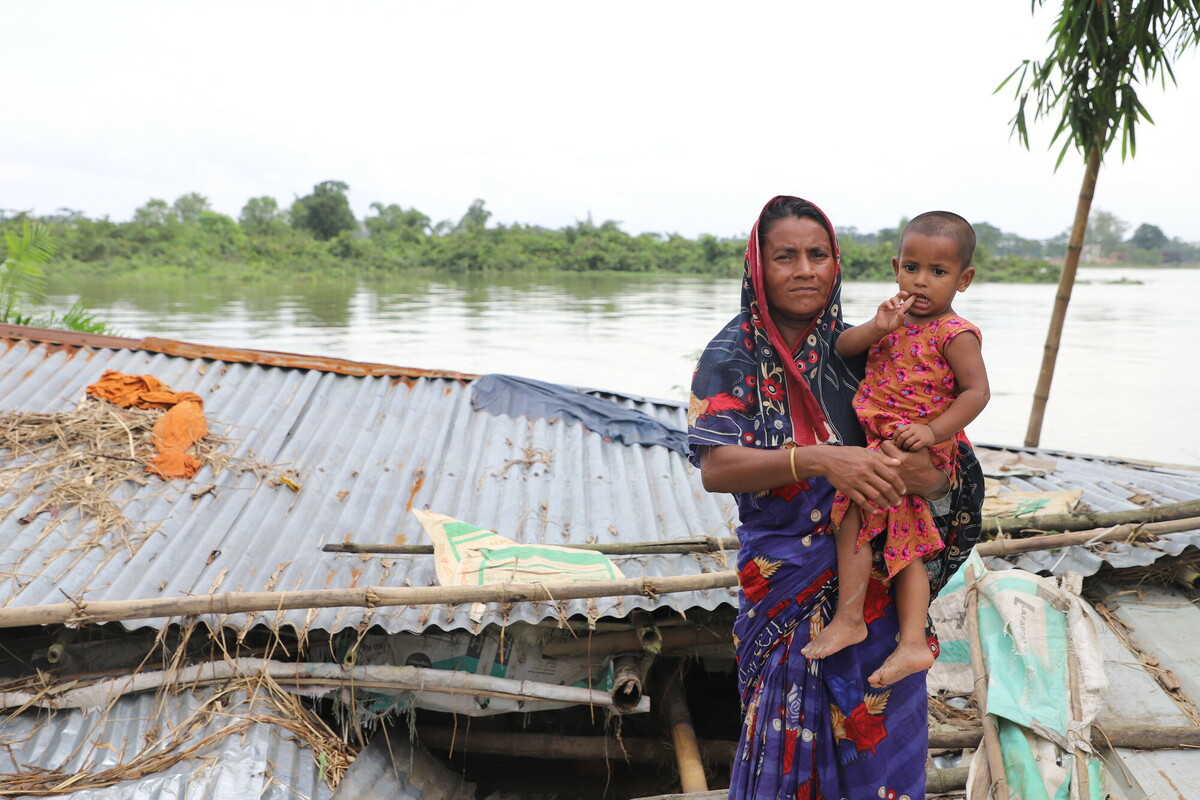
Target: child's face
929	268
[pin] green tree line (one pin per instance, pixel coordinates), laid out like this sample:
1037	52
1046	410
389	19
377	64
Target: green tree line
318	233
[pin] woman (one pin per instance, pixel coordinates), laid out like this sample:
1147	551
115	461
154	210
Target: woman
771	421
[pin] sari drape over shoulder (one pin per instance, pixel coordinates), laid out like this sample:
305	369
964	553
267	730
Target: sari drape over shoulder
810	729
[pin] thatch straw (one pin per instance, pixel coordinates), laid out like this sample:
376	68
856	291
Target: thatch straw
71	463
243	701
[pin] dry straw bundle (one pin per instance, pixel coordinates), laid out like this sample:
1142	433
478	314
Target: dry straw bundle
229	711
70	465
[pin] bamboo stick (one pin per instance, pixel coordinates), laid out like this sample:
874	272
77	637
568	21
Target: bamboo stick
991	736
1066	281
628	679
940	781
683	735
713	544
81	612
1102	519
1129	737
1081	779
708	544
84	612
1006	547
675	638
647	630
288	674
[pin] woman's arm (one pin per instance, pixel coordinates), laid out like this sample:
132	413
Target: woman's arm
917	471
867	478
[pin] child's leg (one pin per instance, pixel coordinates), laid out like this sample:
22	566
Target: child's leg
854	569
912	654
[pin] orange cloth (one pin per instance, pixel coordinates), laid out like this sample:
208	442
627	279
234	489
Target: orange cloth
182	426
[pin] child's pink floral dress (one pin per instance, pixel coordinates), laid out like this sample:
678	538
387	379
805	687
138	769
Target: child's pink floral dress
907	380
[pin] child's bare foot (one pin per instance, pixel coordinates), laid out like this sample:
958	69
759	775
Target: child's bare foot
906	659
838	634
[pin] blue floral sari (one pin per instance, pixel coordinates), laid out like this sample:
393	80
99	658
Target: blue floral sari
811	729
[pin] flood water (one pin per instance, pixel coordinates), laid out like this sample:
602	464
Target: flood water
1126	383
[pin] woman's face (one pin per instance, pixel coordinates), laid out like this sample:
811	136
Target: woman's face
798	272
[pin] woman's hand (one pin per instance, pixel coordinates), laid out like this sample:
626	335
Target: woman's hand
917	471
869	479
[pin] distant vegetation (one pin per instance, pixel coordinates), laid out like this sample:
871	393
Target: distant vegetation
318	234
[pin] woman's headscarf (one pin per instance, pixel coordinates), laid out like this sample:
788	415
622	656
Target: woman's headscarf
749	390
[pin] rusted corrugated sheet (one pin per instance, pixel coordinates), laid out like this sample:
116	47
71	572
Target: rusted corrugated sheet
368	450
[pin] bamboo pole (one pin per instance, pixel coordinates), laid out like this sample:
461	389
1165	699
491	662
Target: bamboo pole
713	544
708	544
1081	779
289	675
1129	737
683	735
647	631
1008	547
1104	519
91	612
1066	282
629	672
81	612
991	736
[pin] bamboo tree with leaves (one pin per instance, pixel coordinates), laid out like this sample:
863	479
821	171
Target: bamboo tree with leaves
1101	52
23	283
22	279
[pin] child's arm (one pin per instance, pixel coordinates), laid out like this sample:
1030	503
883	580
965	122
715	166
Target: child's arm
855	341
965	357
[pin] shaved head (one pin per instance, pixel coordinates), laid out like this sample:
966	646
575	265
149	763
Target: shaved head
946	224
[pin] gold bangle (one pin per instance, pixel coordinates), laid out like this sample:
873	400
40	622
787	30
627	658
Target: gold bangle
792	462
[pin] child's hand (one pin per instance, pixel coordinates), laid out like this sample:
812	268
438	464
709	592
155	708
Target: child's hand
913	436
891	312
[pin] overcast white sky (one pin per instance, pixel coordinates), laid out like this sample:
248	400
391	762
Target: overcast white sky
664	116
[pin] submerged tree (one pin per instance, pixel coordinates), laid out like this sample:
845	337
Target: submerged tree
1100	51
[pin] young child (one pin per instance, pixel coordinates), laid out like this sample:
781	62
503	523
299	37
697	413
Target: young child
924	382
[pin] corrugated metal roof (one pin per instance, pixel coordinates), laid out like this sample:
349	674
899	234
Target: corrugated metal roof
1163	624
368	448
263	761
370	443
1108	485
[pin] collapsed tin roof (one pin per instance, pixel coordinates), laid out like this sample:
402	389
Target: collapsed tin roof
365	444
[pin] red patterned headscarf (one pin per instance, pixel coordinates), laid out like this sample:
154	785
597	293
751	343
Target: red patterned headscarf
751	389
